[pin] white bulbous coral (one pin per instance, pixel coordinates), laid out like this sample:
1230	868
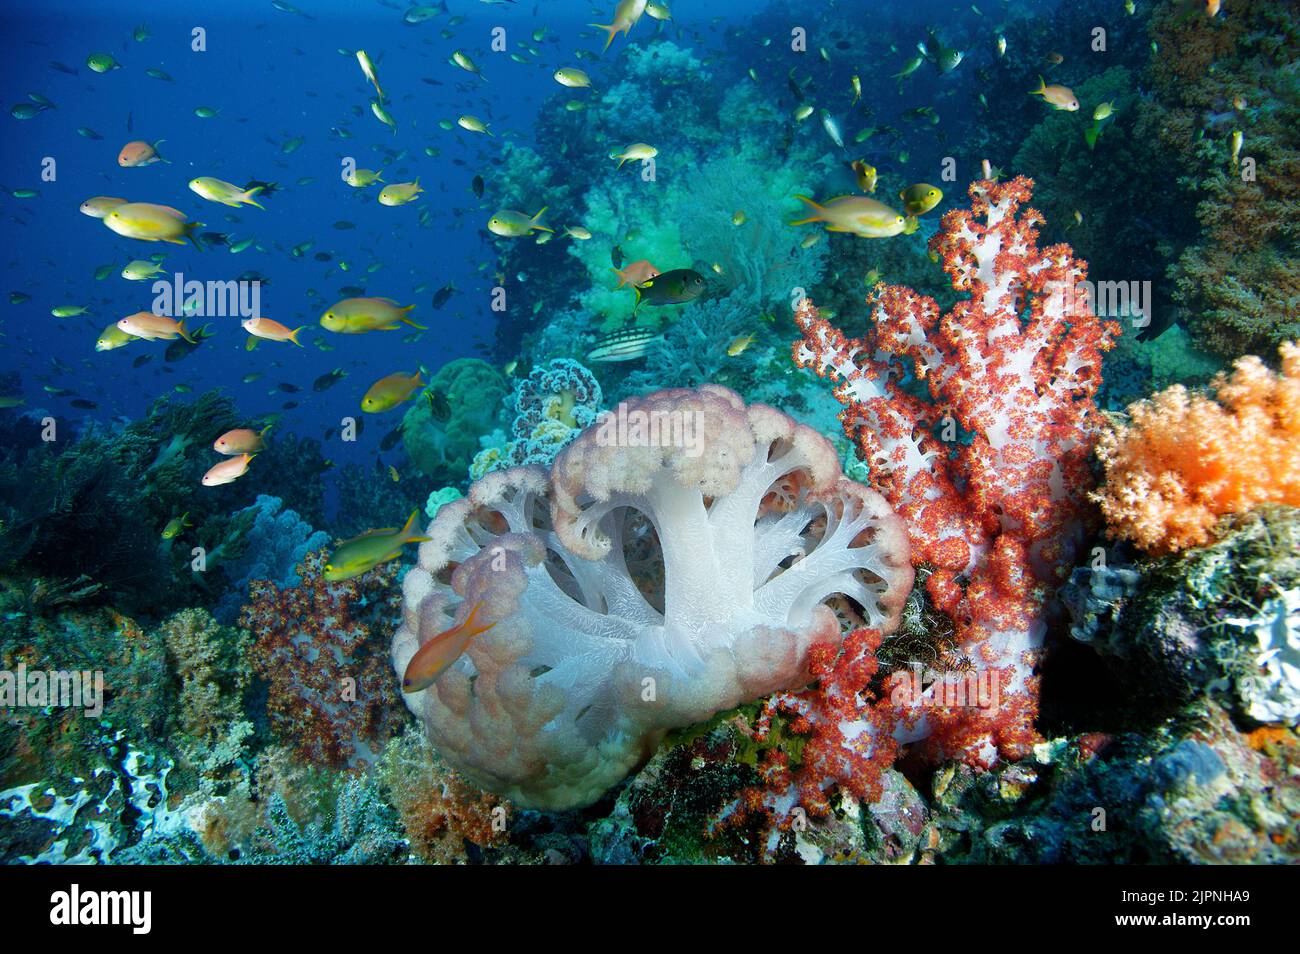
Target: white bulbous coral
644	584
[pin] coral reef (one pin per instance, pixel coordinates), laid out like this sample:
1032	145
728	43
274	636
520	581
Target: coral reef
438	810
1239	281
1185	459
995	512
650	582
552	406
318	645
266	543
1221	620
442	449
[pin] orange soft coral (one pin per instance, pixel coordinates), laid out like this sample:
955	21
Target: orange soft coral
1185	459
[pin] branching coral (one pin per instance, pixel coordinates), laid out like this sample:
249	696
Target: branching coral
1240	281
996	511
1186	459
317	646
439	811
650	582
849	741
209	661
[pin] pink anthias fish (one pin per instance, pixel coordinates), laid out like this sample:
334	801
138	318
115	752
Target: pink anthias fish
228	471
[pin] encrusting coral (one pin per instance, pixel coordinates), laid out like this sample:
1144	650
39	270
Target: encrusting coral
1184	460
654	578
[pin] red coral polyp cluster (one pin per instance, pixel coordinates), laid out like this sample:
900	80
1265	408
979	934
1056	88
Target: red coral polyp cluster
321	647
978	424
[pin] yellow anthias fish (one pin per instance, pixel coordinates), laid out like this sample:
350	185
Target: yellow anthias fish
368	68
100	205
139	270
360	178
658	11
392	472
1238	139
175	525
638	150
439	652
572	77
353	316
150	223
920	198
473	124
383	115
511	224
1103	111
373	548
464	62
577	232
865	175
399	193
858	214
390	391
113	337
739	344
227	193
626	14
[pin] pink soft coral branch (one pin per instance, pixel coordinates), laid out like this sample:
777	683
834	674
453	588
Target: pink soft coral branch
1015	367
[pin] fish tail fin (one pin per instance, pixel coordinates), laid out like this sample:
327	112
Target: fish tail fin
189	234
474	624
409	533
610	29
262	432
293	335
406	320
379	176
248	197
818	209
533	223
622	279
184	332
1042	87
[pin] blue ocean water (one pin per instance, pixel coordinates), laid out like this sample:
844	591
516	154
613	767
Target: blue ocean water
274	77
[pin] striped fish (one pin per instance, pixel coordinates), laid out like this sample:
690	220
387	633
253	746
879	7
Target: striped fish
626	344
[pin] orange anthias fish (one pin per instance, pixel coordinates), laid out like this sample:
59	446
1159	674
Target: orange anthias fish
242	440
147	325
271	330
635	273
228	471
432	659
137	153
1060	97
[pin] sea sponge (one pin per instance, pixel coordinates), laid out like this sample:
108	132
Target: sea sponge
648	582
1185	459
